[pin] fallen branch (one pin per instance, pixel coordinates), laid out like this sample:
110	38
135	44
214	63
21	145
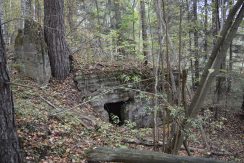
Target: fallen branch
136	156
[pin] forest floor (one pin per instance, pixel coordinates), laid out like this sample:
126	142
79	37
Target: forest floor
55	125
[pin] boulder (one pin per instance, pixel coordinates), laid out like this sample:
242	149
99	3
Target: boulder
31	53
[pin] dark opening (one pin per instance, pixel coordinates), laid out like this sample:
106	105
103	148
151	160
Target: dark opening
116	112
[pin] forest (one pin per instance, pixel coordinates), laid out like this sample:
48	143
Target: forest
142	81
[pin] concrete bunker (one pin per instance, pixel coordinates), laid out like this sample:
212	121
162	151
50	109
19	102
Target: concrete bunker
109	100
116	112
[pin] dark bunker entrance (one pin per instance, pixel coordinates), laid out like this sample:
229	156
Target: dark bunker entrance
116	112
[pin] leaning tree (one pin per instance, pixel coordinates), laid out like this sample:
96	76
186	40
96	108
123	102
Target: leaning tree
54	30
211	69
9	144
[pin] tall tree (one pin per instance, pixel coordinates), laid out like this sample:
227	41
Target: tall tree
220	82
54	30
9	144
144	31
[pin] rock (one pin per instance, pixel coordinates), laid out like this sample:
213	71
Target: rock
106	89
31	54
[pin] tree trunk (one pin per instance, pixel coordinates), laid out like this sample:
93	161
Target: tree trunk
54	30
133	22
158	8
116	24
206	29
70	15
38	11
242	107
197	73
189	19
9	144
230	69
215	19
2	18
144	31
136	156
28	9
22	7
220	83
179	56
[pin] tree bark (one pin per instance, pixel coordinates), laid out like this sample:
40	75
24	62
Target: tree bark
220	82
9	144
54	30
136	156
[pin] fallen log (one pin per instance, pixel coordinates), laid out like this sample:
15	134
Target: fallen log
136	156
